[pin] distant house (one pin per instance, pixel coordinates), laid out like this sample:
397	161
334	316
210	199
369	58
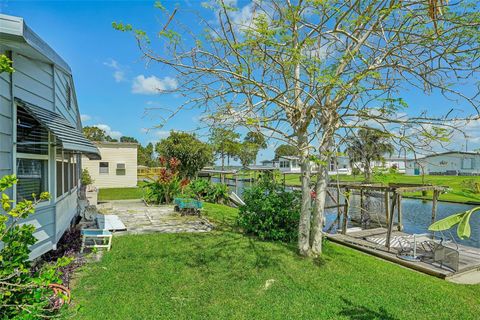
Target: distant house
40	131
446	163
118	166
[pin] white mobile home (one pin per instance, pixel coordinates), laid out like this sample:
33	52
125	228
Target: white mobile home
447	163
40	130
118	167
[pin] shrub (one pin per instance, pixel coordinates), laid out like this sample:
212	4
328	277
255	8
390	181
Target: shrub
168	184
208	191
270	212
472	185
86	178
24	293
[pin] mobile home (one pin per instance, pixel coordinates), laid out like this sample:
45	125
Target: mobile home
40	130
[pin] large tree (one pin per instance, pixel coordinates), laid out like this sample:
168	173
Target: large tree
96	134
146	156
225	143
192	153
309	72
128	139
285	150
367	146
253	143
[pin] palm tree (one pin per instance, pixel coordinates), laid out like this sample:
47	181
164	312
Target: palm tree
367	146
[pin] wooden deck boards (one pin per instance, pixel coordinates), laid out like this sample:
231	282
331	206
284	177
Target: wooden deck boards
469	257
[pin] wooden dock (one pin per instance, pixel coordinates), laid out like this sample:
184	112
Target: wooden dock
469	257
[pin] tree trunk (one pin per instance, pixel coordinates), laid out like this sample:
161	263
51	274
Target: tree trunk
305	213
320	199
223	161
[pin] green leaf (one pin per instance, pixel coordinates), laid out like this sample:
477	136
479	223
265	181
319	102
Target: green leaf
447	223
464	229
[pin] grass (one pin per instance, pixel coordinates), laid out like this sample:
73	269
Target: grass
119	193
225	275
459	191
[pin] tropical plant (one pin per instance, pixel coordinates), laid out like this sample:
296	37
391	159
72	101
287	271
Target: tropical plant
24	293
167	185
192	153
270	212
462	220
367	146
207	191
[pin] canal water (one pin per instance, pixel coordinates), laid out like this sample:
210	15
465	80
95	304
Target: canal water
416	214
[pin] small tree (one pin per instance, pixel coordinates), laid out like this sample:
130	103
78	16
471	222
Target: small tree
367	146
192	153
23	294
247	153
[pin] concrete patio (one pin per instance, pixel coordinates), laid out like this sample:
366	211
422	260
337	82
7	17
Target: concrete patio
140	218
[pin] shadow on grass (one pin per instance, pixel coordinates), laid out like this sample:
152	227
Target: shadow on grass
357	312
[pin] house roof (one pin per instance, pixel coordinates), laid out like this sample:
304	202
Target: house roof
446	153
14	29
100	144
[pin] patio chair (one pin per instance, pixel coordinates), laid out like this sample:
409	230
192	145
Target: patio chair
96	238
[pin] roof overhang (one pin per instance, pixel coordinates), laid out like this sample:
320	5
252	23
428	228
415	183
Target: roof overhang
67	135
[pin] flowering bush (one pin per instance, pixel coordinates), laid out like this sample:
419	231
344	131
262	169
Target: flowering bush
167	185
24	293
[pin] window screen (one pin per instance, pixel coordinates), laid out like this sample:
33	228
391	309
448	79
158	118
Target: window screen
121	171
32	178
103	167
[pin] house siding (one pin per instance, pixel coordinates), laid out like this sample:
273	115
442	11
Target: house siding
33	81
113	155
6	125
445	164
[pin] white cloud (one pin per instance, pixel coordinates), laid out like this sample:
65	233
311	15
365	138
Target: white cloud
152	84
108	130
85	117
119	72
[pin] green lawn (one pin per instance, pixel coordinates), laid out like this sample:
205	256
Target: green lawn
458	193
119	194
225	275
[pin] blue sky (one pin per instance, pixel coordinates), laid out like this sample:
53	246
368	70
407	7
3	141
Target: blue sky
113	84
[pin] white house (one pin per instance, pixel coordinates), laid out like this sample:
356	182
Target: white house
40	131
446	163
118	166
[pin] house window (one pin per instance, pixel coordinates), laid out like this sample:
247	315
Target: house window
103	167
66	169
284	164
121	171
467	163
32	156
33	178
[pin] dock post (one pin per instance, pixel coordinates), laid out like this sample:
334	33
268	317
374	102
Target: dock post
399	212
387	206
236	183
434	205
362	211
345	211
390	221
